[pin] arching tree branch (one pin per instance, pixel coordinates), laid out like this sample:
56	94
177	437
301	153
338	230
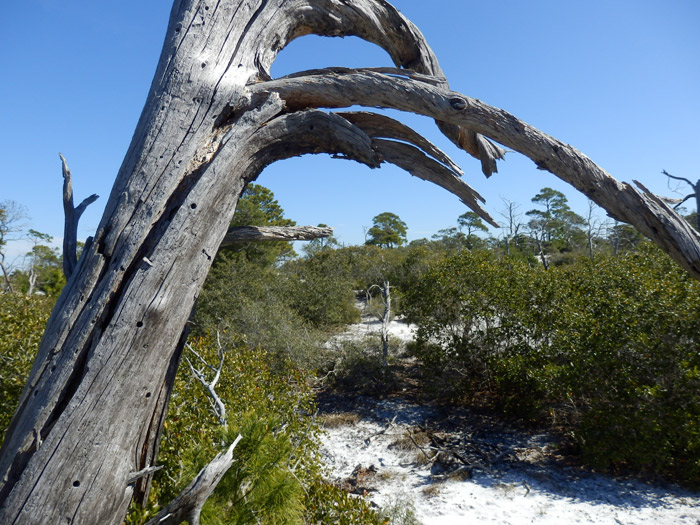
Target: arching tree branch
315	131
336	88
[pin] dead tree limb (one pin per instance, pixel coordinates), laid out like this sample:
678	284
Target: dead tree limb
210	386
696	193
187	506
72	217
237	234
342	87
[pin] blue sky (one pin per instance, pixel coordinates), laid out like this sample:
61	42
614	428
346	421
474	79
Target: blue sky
617	79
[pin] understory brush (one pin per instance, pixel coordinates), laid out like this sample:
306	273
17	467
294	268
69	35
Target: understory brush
277	476
358	367
606	350
22	323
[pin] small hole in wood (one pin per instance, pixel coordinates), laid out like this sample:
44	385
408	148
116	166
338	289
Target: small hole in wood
53	368
76	483
204	65
139	324
36	393
193	205
148	394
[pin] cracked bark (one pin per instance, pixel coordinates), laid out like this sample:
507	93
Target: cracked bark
91	413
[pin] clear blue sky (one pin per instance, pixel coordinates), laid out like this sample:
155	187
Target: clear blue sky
617	79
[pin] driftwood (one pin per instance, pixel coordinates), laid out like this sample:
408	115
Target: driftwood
92	410
72	217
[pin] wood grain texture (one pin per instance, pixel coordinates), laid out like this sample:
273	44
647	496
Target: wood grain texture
237	234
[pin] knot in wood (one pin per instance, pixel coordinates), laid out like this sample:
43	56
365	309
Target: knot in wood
458	103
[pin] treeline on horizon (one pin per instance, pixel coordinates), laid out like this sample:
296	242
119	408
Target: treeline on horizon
564	322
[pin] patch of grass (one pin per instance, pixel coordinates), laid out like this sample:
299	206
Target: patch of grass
339	419
431	491
400	511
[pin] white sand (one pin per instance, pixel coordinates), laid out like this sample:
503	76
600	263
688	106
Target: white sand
522	489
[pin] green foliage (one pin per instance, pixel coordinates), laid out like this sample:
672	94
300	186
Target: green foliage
331	505
45	268
321	291
556	225
253	301
388	231
270	404
321	244
22	323
359	369
607	349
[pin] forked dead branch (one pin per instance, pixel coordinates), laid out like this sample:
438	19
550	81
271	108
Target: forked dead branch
92	411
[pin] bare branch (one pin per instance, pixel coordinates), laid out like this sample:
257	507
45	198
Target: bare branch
135	476
72	217
187	506
679	202
314	131
416	163
678	178
377	22
381	126
217	404
237	234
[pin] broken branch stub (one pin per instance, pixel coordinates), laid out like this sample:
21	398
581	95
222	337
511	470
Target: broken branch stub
72	216
237	234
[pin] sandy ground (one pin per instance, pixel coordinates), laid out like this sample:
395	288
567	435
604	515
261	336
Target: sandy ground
515	477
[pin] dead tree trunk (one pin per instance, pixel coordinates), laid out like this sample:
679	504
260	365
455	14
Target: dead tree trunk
386	319
90	415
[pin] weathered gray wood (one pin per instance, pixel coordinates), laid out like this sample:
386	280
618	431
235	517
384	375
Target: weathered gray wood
237	234
381	126
187	506
72	216
92	410
344	87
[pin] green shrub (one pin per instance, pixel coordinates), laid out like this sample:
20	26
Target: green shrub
358	367
250	300
331	505
22	323
606	348
271	405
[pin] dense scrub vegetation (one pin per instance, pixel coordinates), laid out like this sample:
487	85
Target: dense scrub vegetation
604	349
22	322
592	335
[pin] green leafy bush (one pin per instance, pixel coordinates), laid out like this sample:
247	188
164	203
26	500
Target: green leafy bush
271	405
22	323
277	475
606	348
250	300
